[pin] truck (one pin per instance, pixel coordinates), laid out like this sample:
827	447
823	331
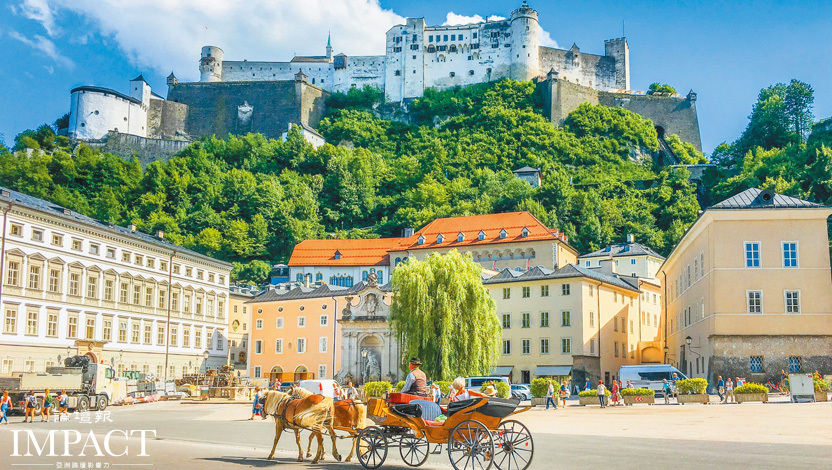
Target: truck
89	386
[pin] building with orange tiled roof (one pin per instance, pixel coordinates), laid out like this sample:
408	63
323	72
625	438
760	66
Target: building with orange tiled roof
342	262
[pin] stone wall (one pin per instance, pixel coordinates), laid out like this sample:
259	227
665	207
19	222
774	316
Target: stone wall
166	119
732	355
145	149
586	367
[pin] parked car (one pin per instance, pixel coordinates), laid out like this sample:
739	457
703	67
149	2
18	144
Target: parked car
649	375
521	391
475	383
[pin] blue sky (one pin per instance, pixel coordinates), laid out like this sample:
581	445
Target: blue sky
725	51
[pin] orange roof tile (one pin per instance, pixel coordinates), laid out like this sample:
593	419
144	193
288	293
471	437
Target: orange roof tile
362	252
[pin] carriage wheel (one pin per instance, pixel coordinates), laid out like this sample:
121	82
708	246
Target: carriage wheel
414	450
471	446
372	447
514	446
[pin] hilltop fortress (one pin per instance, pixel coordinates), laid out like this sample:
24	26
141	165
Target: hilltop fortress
269	97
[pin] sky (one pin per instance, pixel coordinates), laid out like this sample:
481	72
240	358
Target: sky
724	50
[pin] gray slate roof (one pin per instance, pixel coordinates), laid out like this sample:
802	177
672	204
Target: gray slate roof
31	202
750	199
623	249
527	169
568	271
312	292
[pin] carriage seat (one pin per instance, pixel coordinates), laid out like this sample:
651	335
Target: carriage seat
398	397
407	409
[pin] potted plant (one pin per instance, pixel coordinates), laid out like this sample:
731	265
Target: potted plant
692	391
376	389
539	387
634	396
751	392
821	390
590	397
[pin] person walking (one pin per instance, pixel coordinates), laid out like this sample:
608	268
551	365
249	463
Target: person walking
351	392
782	383
256	405
550	395
729	391
5	406
666	391
47	406
564	391
720	387
587	386
615	390
31	404
601	392
63	404
436	393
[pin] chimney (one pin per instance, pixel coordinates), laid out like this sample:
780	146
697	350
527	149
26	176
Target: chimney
161	234
132	227
631	238
607	266
408	232
6	193
306	279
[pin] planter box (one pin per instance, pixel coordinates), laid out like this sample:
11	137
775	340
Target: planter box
703	398
640	400
538	401
593	400
821	396
744	397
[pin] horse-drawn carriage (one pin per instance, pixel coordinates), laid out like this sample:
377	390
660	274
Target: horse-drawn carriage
475	431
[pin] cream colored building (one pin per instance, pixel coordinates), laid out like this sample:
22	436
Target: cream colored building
239	326
575	321
70	285
750	284
630	258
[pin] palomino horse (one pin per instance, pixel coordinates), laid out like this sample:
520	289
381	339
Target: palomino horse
313	413
348	415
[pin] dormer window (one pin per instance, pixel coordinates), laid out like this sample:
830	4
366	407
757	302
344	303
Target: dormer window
503	233
524	232
421	240
337	254
481	236
460	237
440	238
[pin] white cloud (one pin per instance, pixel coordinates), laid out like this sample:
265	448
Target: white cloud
40	11
44	45
49	69
168	35
545	38
452	19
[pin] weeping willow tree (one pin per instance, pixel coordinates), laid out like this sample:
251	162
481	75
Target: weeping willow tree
443	314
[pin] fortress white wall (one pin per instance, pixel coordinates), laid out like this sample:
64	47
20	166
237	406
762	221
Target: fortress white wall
94	113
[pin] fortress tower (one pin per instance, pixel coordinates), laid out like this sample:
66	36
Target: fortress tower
525	60
210	64
619	50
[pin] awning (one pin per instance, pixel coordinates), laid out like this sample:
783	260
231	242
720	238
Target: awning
552	371
501	371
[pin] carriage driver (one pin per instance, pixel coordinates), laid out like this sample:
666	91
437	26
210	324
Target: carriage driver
416	382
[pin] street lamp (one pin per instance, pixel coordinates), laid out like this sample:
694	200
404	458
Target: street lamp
688	340
666	350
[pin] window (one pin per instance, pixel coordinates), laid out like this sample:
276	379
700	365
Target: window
28	365
186	337
148	333
52	324
322	344
34	276
198	338
111	253
174	336
544	291
198	305
506	347
322	367
13	273
258	324
54	280
526	292
74	284
92	287
189	272
324	320
301	322
506	293
122	331
615	345
301	345
566	318
187	304
72	326
257	371
756	364
163	294
278	323
544	345
591	318
544	319
174	301
278	346
755	301
32	323
16	230
526	346
94	249
795	364
90	328
525	320
200	274
176	269
137	295
151	263
125	256
792	301
37	235
135	331
789	254
122	294
752	254
139	260
631	326
108	290
592	346
566	345
565	289
160	335
506	320
163	265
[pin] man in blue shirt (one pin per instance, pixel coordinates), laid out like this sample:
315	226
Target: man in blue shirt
720	387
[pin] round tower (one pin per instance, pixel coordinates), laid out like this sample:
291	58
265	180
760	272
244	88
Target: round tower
525	57
210	64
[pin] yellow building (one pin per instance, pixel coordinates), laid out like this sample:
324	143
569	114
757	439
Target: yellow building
749	287
630	258
239	326
575	321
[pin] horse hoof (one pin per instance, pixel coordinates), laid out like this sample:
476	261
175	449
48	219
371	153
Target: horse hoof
309	454
271	457
338	458
300	459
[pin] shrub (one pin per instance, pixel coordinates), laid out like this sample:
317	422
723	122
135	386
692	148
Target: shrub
692	386
539	387
750	388
637	392
377	389
399	385
503	390
593	393
821	385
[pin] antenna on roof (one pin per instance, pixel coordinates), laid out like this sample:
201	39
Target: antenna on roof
622	29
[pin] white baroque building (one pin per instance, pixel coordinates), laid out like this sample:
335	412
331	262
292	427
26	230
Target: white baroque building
70	285
418	56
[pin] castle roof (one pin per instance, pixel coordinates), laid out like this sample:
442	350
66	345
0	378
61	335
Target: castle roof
303	292
755	198
539	273
623	249
527	169
140	78
310	58
106	91
336	252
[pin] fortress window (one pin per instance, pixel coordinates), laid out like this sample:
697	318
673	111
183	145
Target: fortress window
83	124
445	38
414	38
474	35
125	118
96	112
470	72
397	73
452	74
430	38
453	37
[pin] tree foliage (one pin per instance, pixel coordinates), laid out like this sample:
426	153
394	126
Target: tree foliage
657	87
444	315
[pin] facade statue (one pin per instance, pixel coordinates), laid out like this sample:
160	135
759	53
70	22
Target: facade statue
372	370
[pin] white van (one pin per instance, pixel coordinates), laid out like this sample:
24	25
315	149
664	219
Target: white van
648	375
323	387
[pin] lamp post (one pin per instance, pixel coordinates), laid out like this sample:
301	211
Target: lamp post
689	340
666	350
205	355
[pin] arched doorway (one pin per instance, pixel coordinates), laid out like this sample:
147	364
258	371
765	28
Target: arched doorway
276	373
93	357
660	131
302	373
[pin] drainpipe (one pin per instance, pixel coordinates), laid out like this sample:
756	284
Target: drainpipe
3	249
167	327
334	336
664	327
